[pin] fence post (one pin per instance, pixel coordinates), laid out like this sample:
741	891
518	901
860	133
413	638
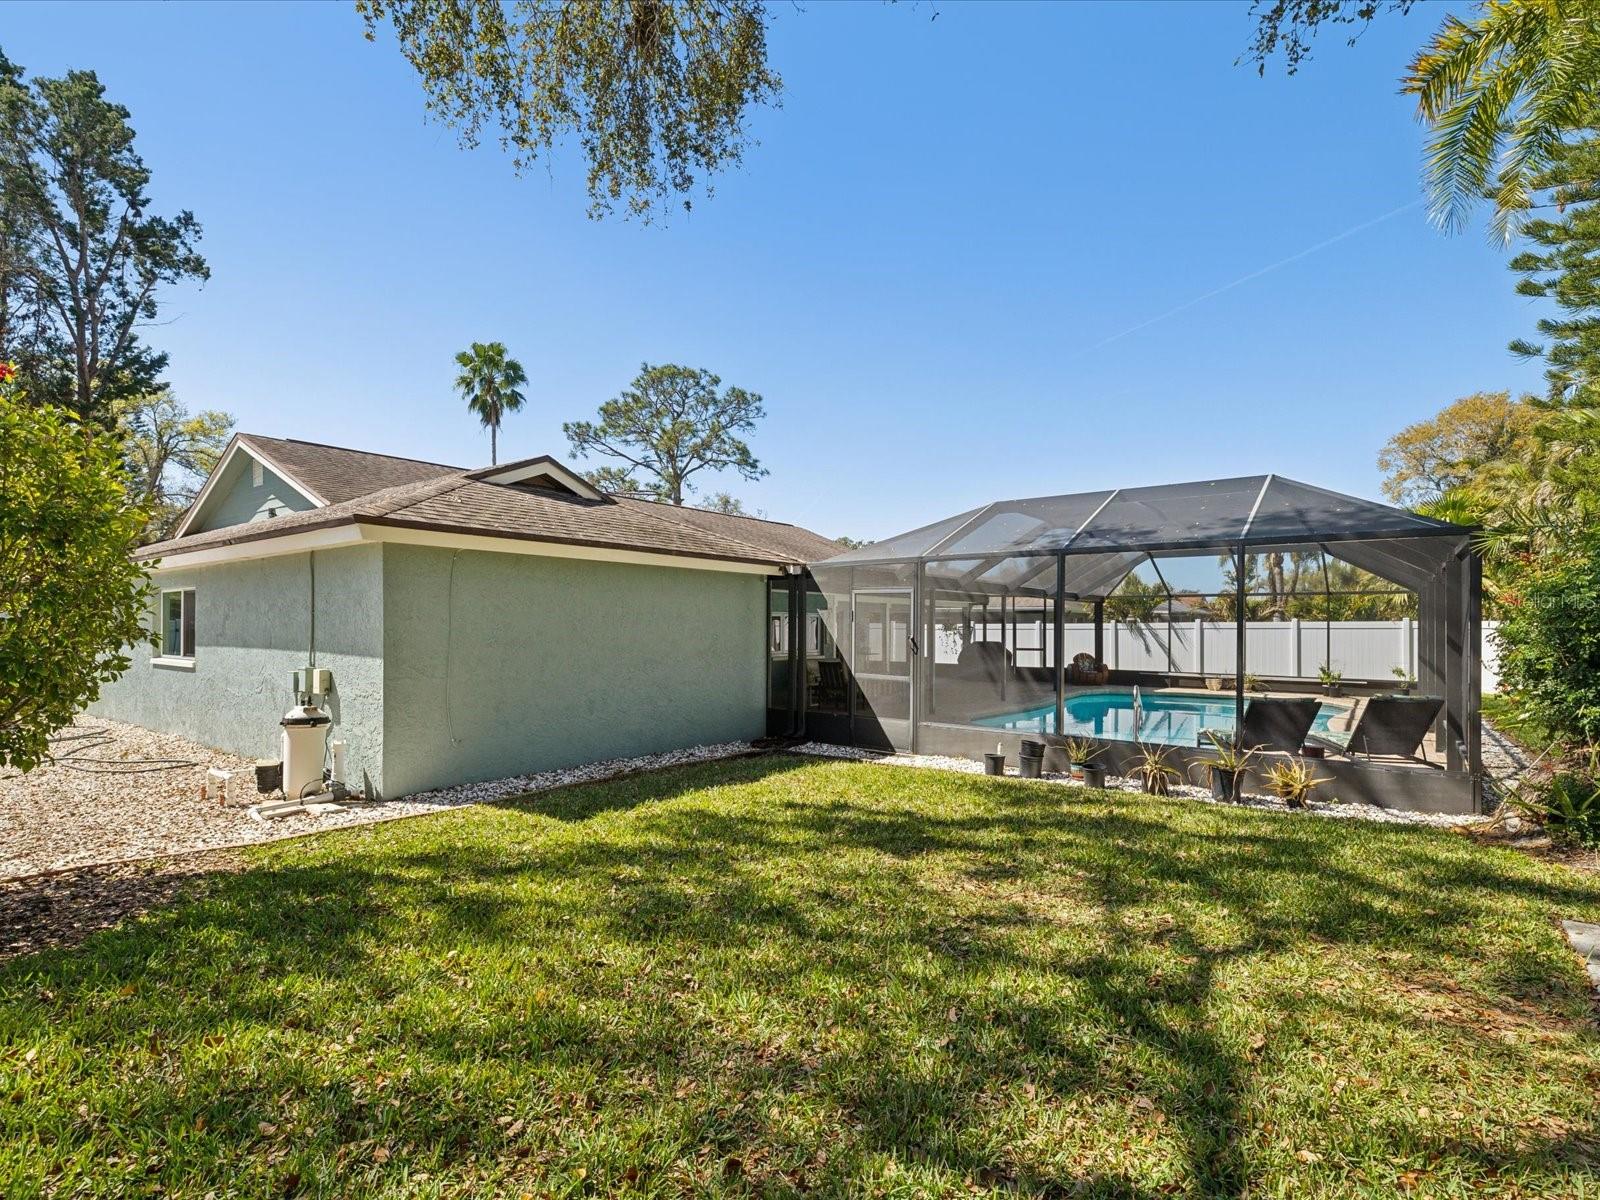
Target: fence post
1294	648
1406	662
1199	646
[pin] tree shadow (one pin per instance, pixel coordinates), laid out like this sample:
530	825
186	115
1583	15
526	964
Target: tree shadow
958	942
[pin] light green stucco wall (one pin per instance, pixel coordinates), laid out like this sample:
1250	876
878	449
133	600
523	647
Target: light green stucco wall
500	664
234	500
252	629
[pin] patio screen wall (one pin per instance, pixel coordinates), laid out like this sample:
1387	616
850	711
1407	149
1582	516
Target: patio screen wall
956	634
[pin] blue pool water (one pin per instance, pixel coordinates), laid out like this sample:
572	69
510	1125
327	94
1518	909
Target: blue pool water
1174	719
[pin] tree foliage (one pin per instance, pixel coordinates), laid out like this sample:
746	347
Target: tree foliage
1549	634
82	259
1561	264
491	382
1288	27
71	600
1429	458
1501	92
671	424
656	92
169	451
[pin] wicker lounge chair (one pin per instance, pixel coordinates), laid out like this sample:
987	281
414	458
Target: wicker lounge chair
1389	726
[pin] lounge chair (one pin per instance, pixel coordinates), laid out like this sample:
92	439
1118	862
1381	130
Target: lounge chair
1391	726
1273	723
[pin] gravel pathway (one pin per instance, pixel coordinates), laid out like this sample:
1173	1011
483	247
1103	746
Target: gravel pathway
101	800
1337	811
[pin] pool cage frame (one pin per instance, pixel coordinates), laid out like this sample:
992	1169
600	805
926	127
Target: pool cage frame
1076	550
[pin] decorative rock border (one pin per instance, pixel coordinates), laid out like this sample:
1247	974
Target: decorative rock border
1336	810
110	806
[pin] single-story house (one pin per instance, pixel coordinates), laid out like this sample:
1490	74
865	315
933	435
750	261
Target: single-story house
477	623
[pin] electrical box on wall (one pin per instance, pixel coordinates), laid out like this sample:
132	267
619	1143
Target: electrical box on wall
313	681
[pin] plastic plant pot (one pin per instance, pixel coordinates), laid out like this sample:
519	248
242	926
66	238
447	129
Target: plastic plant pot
1030	766
994	764
1032	747
1094	775
1225	783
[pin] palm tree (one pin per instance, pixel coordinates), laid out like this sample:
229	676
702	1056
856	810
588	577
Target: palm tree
490	383
1501	91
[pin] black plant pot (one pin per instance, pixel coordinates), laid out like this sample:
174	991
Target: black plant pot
1225	784
1032	747
1094	775
994	764
1030	766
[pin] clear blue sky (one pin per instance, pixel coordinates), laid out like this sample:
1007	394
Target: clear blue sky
925	266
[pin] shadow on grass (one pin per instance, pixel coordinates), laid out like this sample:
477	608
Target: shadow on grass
923	950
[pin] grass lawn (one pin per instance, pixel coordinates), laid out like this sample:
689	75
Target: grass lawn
776	976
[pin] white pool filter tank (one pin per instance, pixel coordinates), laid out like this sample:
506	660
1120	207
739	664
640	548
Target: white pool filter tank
305	737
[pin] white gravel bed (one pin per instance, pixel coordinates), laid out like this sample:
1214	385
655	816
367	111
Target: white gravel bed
97	804
1337	810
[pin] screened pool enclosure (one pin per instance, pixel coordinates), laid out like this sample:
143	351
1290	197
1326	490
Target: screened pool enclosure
1151	614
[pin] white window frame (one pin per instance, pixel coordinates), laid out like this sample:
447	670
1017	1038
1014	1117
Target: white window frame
166	658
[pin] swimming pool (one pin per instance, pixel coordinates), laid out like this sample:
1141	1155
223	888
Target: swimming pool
1172	718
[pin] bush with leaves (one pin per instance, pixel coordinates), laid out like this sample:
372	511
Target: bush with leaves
71	600
1549	638
1568	802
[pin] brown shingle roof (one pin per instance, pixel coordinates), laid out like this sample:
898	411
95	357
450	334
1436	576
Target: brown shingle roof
450	500
799	544
337	474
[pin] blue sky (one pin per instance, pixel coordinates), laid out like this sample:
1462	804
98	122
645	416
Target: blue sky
951	266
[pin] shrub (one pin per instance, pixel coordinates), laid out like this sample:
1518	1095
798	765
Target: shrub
1569	806
1550	640
71	600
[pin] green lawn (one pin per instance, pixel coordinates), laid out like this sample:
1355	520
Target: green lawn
778	976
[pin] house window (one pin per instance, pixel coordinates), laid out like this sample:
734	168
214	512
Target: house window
177	624
256	475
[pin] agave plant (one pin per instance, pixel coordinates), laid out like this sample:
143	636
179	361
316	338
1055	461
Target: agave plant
1080	750
1153	769
1292	781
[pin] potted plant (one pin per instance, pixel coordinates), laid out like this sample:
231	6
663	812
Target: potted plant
1330	679
1407	680
1226	766
1252	683
1153	769
1292	781
1213	683
1080	752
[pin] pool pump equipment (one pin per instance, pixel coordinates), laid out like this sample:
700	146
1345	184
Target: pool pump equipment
305	734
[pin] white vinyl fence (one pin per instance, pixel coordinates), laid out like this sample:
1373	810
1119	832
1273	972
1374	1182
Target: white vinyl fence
1283	649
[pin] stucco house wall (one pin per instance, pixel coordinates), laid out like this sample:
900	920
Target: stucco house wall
501	664
253	624
453	666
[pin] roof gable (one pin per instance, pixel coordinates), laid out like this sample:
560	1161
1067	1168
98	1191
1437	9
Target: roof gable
317	475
